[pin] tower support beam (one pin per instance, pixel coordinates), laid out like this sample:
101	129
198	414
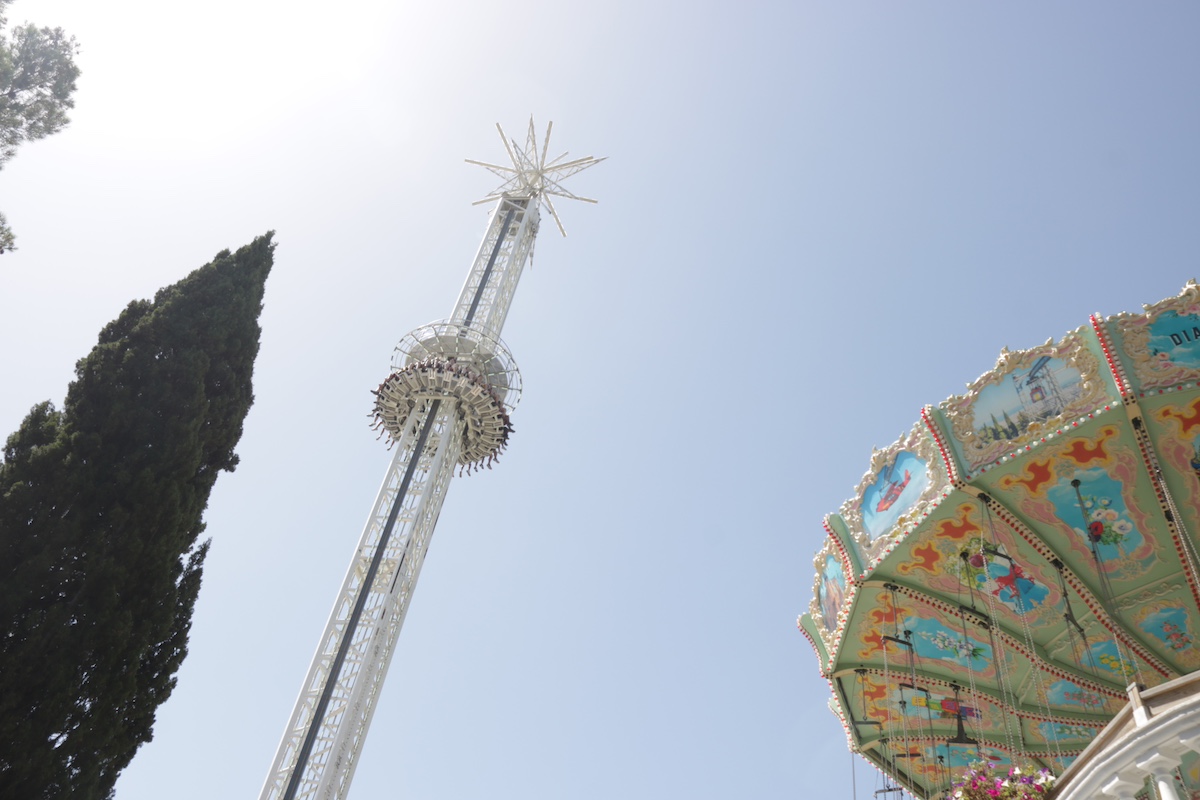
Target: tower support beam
317	754
488	291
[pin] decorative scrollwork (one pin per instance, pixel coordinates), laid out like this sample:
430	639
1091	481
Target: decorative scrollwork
1041	409
917	444
1156	370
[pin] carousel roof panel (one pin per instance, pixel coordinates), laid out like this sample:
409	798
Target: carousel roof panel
1009	565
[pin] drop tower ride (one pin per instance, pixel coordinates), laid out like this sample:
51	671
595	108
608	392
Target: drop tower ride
445	405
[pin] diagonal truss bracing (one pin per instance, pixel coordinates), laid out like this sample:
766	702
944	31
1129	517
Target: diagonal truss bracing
331	716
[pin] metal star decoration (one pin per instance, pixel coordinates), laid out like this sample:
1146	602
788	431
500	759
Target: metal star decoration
531	175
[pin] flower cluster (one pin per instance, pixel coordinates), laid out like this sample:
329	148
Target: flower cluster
1177	638
1105	525
962	648
1118	665
982	783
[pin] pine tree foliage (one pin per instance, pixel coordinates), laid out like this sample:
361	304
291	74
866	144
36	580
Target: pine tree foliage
37	79
101	509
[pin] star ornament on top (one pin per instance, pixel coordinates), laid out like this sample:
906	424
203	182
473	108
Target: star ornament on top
532	176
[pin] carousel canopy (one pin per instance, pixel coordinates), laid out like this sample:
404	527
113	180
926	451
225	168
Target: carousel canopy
1024	553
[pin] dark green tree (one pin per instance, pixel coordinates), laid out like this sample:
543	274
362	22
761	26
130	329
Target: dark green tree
37	78
101	509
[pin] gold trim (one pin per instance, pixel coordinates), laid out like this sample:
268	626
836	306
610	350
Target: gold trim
829	633
1073	351
919	443
1149	371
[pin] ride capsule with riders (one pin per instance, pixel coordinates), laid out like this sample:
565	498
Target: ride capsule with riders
1038	556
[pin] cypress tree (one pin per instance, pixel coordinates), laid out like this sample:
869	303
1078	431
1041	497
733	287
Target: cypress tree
101	509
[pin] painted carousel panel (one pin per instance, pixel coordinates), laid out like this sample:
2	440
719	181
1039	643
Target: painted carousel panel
1027	396
904	483
1160	348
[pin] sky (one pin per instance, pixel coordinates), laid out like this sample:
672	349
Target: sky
814	219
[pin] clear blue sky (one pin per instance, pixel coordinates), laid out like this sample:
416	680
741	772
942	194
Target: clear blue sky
815	219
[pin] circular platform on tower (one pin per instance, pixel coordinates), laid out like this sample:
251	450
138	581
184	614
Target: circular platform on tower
466	346
1029	549
444	361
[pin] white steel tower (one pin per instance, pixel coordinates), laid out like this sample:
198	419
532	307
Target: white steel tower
446	403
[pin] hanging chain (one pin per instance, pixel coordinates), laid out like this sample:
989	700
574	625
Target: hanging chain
1156	473
887	682
1034	661
938	765
1007	694
1107	597
971	681
999	658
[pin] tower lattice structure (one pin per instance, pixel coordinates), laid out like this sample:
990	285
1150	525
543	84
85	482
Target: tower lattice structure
445	405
